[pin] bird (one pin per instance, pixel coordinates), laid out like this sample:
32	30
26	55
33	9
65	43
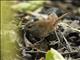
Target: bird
42	28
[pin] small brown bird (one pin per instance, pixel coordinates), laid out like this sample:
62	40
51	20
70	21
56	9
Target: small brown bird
42	28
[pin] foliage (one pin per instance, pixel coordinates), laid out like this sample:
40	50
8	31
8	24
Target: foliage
54	55
9	34
27	6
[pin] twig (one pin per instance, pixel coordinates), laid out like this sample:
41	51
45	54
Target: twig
59	18
35	52
68	53
70	27
63	15
68	45
39	41
27	42
57	36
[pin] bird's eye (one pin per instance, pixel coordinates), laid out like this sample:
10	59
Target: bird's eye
29	26
36	19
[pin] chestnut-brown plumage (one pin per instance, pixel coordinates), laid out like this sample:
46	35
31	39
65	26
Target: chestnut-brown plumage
42	28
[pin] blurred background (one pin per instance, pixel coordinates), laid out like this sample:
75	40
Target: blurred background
9	30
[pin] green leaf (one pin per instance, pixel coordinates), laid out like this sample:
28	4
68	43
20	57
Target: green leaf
30	6
52	54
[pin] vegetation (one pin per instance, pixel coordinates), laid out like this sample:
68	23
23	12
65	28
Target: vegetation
8	32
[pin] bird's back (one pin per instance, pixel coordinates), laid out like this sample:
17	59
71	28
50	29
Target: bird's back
41	28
